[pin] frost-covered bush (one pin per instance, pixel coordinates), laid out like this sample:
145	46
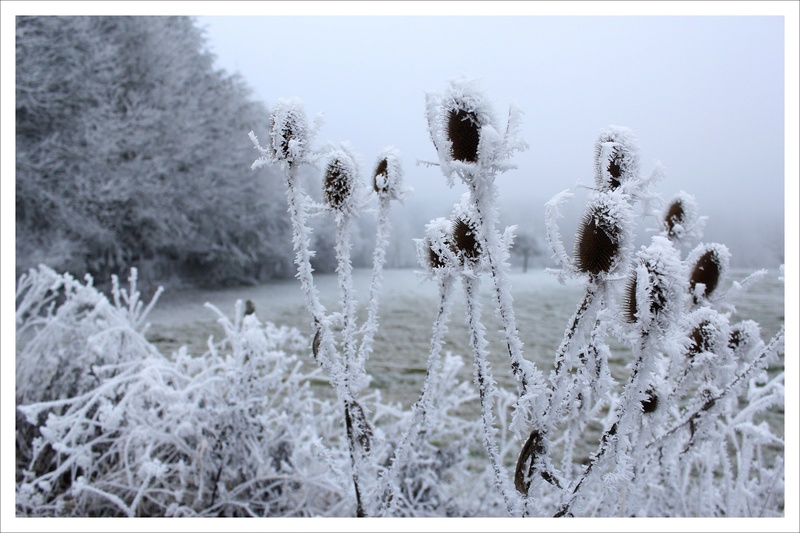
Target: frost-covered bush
237	431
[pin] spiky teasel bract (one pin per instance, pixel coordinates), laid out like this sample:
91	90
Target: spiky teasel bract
656	288
341	181
388	175
708	266
604	235
616	158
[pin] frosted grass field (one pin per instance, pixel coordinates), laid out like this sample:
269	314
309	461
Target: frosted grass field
408	308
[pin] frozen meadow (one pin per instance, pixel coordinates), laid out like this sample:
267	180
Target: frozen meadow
408	309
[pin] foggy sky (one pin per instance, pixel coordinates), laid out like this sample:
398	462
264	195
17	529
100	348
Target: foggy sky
704	96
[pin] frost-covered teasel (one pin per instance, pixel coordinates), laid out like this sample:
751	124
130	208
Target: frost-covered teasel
436	252
466	133
708	266
616	158
387	178
604	236
680	220
708	331
655	292
341	181
290	135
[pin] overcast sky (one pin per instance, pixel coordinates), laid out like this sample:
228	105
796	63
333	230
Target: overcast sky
704	95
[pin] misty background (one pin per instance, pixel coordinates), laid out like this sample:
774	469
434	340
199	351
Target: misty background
704	95
132	146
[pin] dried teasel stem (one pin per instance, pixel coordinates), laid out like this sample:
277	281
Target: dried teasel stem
423	406
387	185
487	390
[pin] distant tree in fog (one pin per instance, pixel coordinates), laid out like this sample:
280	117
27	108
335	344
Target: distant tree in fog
130	152
526	245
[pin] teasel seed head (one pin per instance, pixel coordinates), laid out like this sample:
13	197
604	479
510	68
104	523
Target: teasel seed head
701	338
660	266
435	258
380	183
629	302
340	181
650	403
387	178
708	264
616	158
288	127
744	336
465	240
602	237
435	251
675	216
680	220
708	331
464	134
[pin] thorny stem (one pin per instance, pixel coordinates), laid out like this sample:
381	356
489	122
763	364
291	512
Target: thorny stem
327	356
559	385
642	351
422	407
379	259
486	389
521	368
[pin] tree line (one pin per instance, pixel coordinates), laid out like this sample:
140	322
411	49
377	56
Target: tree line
132	150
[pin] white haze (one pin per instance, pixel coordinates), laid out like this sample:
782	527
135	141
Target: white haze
704	95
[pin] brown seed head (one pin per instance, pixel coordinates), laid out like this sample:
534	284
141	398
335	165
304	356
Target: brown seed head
657	296
615	169
675	216
707	270
650	403
596	244
465	240
381	184
435	259
338	184
463	131
701	337
629	304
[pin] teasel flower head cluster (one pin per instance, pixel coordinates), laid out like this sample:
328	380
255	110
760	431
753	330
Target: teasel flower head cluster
466	132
